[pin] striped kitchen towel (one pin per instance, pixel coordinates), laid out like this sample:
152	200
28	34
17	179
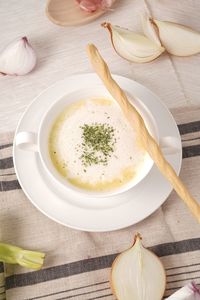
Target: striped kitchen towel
77	264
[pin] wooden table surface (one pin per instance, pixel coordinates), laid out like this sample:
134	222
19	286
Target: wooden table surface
61	52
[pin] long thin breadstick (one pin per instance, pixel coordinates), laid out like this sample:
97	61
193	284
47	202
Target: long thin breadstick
146	140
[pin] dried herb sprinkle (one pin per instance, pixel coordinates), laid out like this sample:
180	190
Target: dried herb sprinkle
98	143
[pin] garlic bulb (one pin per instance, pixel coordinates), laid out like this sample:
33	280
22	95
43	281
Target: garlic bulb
18	58
91	6
88	5
106	3
178	39
138	274
188	292
133	46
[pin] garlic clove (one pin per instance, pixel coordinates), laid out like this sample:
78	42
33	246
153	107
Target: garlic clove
132	46
178	39
149	29
88	5
105	4
91	6
131	275
18	58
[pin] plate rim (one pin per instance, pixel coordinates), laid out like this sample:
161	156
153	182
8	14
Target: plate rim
82	227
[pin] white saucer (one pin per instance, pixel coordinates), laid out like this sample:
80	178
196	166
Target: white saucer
63	207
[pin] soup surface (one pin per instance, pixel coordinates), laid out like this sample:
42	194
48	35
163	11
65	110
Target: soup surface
93	146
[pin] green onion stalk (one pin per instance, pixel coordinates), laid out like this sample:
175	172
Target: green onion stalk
25	258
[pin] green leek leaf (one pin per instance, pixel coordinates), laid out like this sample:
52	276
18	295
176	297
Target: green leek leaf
25	258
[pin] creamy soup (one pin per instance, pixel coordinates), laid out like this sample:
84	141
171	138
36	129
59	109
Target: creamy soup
93	146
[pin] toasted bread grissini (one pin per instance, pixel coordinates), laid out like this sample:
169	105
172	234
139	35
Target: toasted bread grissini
144	137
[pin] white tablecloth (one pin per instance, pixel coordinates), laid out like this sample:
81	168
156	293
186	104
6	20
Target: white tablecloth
61	52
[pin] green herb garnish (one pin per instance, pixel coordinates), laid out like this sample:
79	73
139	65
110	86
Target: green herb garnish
98	143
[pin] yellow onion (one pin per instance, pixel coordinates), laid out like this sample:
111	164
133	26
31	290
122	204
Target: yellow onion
133	46
138	274
177	39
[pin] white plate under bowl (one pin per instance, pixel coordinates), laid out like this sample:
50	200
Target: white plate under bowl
64	207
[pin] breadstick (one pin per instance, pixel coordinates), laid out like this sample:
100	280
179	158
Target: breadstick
146	140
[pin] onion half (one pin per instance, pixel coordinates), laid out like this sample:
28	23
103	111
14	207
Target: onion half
138	274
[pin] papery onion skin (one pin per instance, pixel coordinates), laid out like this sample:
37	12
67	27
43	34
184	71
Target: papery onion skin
140	58
143	296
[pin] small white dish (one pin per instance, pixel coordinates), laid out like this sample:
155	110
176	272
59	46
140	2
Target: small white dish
90	213
68	13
